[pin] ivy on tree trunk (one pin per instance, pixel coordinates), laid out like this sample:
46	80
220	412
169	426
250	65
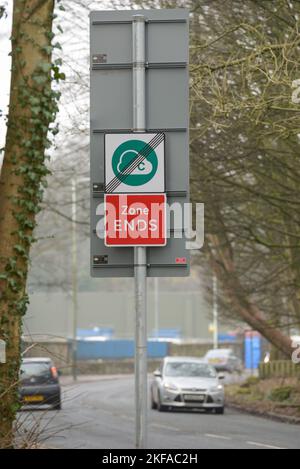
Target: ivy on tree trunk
32	111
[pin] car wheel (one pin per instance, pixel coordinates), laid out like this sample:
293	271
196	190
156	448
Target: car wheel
57	406
220	410
209	411
160	407
153	403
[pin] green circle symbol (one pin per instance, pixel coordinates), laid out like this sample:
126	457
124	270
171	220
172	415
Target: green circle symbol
126	154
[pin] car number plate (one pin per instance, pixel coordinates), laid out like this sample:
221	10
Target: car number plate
194	397
33	398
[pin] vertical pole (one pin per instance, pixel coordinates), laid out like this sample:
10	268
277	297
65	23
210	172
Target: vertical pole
74	280
140	253
215	312
252	355
156	307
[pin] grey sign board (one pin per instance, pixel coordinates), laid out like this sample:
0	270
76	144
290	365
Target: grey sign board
167	111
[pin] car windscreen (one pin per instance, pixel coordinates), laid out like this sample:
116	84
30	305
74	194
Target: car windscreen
219	354
189	370
37	370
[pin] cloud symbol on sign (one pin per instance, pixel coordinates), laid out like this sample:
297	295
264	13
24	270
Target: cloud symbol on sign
144	168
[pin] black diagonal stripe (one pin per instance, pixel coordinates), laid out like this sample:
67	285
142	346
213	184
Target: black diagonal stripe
146	150
142	155
133	165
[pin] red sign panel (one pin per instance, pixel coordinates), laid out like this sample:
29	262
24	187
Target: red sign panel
135	220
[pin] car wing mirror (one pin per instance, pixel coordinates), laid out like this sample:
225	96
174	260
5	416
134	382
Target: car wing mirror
157	374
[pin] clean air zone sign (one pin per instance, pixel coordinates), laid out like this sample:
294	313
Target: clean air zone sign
135	163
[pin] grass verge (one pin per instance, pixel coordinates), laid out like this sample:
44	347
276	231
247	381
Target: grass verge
270	397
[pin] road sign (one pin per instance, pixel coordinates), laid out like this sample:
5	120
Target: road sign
135	163
167	112
139	85
135	220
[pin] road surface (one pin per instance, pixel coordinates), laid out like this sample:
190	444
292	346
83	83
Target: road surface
99	413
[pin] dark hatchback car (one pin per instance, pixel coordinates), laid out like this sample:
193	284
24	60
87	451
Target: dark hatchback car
39	383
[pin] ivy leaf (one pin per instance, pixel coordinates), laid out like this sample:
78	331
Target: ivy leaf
47	49
19	249
35	110
45	66
58	75
57	46
40	79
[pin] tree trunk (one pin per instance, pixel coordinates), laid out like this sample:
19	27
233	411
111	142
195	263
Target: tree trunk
30	113
224	268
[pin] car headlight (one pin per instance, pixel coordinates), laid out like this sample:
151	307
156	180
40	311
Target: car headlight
219	387
171	387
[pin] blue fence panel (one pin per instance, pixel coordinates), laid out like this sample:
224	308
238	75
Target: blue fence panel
157	349
253	352
117	349
227	338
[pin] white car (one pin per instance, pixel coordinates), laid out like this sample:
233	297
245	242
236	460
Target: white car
224	360
187	383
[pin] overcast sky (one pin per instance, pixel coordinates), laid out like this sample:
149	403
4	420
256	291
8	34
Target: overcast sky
5	65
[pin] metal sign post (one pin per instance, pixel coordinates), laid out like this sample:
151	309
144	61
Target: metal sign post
74	279
139	148
140	253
